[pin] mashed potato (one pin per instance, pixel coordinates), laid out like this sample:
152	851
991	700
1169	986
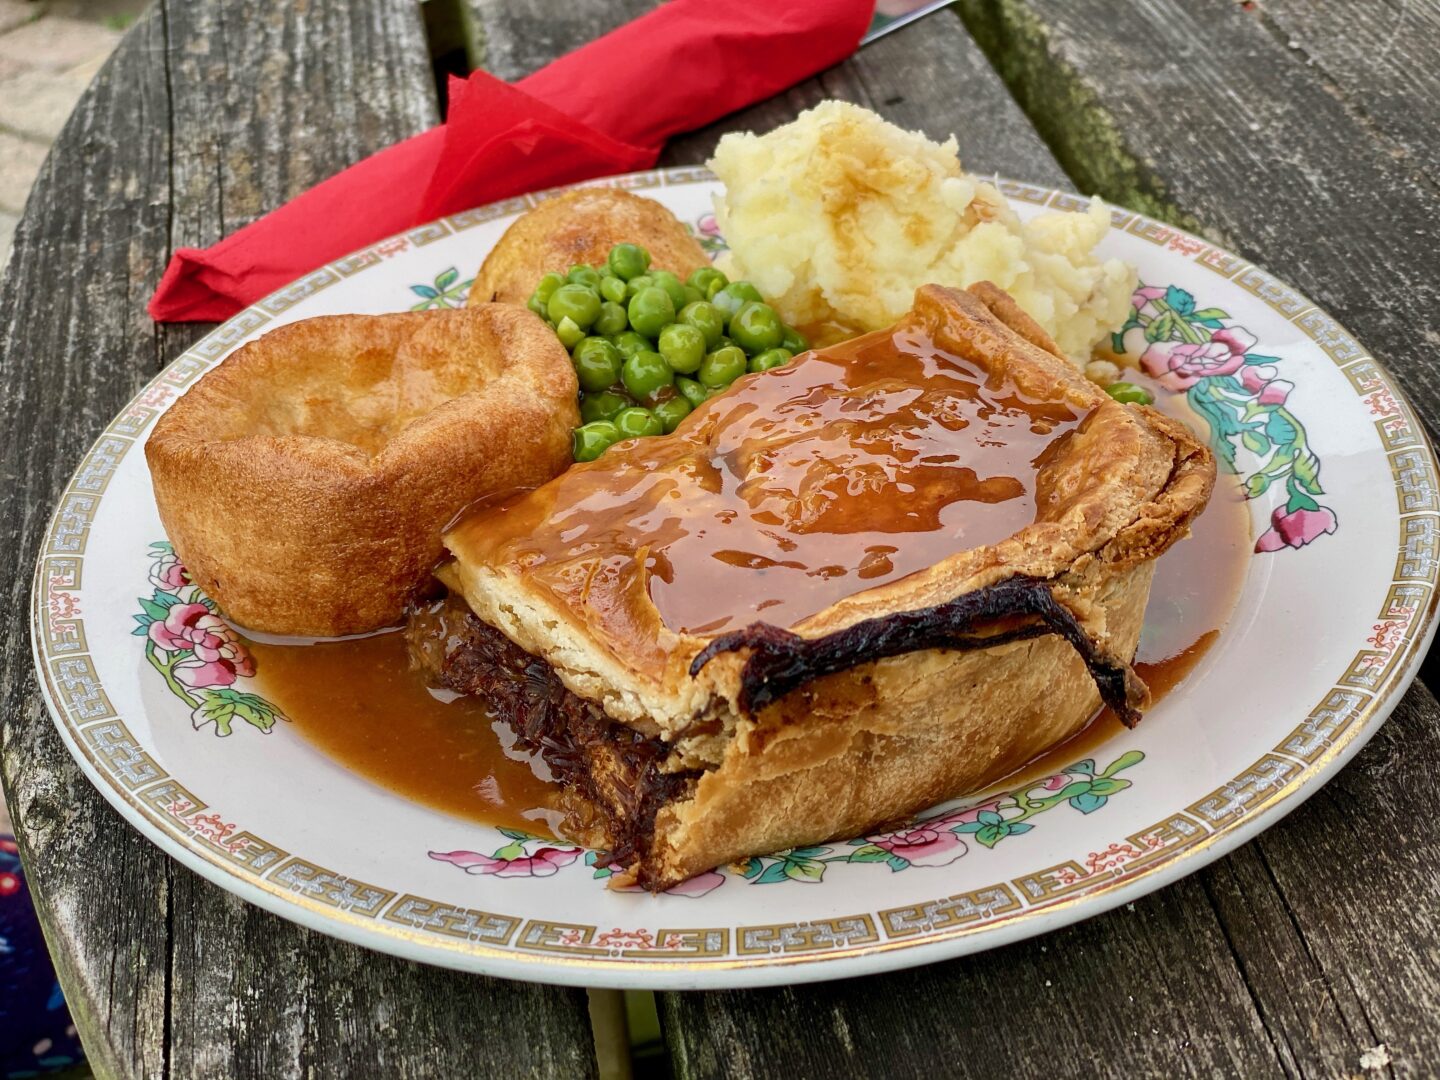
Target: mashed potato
840	216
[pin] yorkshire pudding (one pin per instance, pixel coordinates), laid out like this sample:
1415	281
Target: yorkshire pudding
581	226
306	480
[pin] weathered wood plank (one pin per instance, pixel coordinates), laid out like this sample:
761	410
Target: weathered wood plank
1153	991
1295	956
1357	873
207	116
1200	113
517	37
1378	58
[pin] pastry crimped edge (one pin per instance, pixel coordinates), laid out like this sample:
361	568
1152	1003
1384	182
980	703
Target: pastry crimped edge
311	534
848	752
581	226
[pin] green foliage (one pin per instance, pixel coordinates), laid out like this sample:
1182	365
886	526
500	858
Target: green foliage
448	291
222	707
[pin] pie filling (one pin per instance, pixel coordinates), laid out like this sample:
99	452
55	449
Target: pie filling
611	773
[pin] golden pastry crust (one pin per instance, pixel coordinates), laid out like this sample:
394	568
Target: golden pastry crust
306	480
1120	460
849	751
581	226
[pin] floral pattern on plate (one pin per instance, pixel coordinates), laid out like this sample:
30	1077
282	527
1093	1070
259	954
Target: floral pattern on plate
932	841
1205	354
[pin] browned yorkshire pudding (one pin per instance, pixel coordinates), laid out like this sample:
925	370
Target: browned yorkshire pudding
581	226
305	481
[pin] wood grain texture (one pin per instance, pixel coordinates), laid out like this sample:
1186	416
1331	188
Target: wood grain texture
1378	58
206	116
517	37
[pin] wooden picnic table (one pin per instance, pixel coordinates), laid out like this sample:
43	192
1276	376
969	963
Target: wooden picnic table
1304	134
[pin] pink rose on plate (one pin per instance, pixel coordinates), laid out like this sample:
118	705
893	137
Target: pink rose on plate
708	226
168	574
1180	365
218	657
1296	528
543	863
922	845
199	674
1260	380
1143	295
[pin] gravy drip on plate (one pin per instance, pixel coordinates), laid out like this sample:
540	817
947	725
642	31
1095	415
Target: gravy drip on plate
359	702
807	484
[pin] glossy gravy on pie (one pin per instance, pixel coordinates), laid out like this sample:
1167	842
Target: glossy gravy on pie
843	471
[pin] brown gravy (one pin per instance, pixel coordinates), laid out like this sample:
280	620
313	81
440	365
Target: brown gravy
843	471
359	702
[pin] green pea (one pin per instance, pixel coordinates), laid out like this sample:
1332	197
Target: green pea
569	332
589	441
683	347
548	284
692	294
702	276
629	343
674	288
756	327
734	296
613	289
794	341
611	320
536	305
722	367
603	406
634	285
580	274
628	260
1130	394
578	303
636	422
671	412
713	289
651	310
770	358
646	372
597	364
691	390
706	318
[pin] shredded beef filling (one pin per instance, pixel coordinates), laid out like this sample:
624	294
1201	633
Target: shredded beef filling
612	767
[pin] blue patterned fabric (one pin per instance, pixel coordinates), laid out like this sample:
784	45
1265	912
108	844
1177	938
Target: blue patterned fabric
36	1035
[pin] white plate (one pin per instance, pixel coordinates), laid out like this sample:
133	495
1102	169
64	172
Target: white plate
1325	639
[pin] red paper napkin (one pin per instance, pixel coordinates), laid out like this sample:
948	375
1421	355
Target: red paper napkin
605	108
